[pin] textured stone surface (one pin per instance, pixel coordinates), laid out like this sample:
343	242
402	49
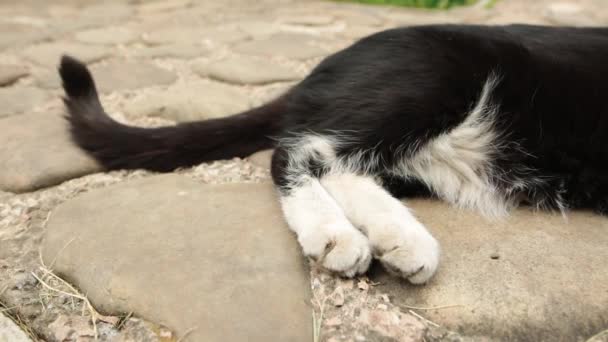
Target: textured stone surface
196	101
48	54
106	36
292	45
11	73
162	5
193	258
16	35
10	332
246	70
569	14
193	35
261	158
119	75
532	277
179	50
16	100
36	152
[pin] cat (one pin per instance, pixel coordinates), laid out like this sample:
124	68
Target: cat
483	117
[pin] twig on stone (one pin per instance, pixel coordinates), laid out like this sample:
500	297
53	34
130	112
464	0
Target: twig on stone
188	332
424	319
426	308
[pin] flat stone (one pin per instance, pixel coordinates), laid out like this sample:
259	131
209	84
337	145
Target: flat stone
17	35
107	36
11	73
191	102
106	13
258	28
48	54
47	79
179	50
570	14
308	20
10	332
531	277
16	100
36	152
291	45
216	261
261	158
119	76
163	6
246	70
195	35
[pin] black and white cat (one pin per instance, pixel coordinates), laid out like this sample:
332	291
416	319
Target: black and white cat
482	117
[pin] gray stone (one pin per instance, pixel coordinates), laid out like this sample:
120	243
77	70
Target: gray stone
36	152
246	70
191	102
195	35
16	100
47	79
261	158
17	35
107	36
570	14
179	50
215	260
531	277
10	332
163	6
11	73
258	28
106	13
292	45
119	75
308	20
48	54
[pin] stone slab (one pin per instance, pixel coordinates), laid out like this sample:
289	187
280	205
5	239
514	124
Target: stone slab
36	152
121	75
10	332
192	102
246	70
11	73
531	277
17	100
215	260
291	45
48	54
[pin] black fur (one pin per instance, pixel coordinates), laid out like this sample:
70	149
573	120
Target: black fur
400	88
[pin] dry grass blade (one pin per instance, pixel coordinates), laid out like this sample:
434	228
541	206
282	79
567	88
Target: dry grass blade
188	332
424	319
8	312
427	308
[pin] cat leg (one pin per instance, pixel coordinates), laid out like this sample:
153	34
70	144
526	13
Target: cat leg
398	240
322	229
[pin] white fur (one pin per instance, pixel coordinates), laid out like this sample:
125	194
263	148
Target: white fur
323	231
457	165
397	238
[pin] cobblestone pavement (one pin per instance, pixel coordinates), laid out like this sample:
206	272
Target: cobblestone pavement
168	61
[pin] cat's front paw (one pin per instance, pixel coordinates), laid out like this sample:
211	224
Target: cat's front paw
342	251
415	258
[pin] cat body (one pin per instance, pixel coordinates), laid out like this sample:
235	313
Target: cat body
485	118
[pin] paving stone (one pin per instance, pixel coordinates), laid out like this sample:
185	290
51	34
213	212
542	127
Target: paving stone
246	70
258	28
16	100
163	6
261	158
11	73
106	13
10	332
179	50
17	35
213	260
49	54
531	277
196	35
292	45
191	102
36	152
120	75
47	79
308	20
107	36
570	14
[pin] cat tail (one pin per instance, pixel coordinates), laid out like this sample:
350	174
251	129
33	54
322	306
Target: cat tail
119	146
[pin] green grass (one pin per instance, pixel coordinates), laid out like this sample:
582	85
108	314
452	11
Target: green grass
442	4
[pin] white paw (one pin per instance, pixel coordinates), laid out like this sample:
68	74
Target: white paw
342	250
414	257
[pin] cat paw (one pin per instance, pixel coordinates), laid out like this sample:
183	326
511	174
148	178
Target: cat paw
414	258
345	252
